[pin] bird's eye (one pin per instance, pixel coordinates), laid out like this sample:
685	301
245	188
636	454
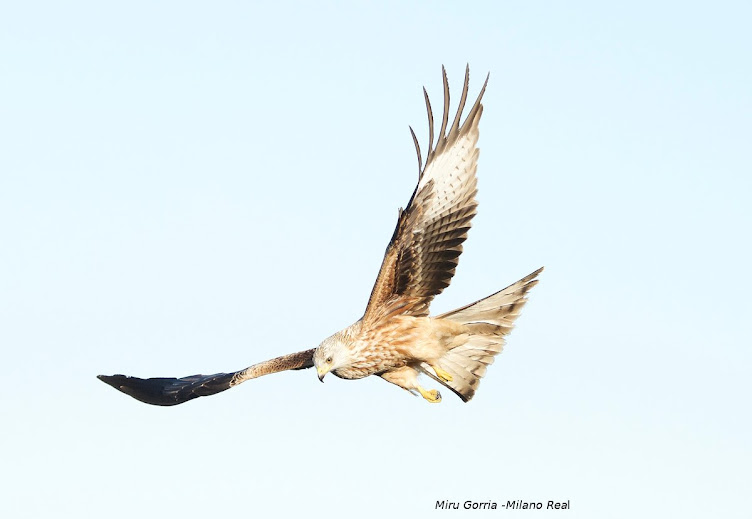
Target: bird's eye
329	360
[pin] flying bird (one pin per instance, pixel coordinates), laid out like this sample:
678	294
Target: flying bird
397	339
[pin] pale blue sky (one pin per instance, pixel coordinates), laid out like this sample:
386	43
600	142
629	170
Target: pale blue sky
189	187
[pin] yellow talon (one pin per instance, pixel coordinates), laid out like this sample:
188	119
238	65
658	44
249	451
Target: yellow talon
443	375
432	396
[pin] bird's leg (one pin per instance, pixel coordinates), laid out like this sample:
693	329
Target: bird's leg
443	375
432	396
407	378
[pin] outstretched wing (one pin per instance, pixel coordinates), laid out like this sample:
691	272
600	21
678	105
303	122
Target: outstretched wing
422	255
174	391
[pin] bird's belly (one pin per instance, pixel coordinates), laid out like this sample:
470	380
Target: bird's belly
369	367
352	373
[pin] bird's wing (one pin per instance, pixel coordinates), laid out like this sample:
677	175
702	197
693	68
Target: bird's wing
422	255
174	391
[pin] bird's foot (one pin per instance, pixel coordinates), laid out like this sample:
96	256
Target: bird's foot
443	375
433	396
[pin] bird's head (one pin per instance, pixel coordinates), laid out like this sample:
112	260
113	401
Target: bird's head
330	355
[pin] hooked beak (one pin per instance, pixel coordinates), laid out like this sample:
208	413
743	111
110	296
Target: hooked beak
321	373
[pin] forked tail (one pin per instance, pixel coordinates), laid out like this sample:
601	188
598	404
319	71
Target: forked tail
488	322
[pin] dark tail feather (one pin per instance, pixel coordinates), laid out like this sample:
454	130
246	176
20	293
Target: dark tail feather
169	391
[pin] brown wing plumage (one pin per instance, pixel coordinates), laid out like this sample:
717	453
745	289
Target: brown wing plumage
174	391
422	255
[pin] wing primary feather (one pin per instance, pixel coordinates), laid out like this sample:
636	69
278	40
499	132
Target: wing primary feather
477	106
417	150
166	391
169	391
463	99
445	117
430	125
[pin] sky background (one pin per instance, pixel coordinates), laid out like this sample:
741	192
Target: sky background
191	187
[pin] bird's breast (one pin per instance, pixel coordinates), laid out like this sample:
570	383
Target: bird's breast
388	345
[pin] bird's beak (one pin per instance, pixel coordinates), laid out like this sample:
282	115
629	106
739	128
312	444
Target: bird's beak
321	373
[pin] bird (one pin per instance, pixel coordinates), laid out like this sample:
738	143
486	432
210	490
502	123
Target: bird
397	339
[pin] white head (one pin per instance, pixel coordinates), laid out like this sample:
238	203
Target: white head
331	355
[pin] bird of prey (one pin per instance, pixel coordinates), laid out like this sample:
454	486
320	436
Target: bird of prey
397	339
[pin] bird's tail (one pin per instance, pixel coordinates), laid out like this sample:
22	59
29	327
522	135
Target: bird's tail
488	322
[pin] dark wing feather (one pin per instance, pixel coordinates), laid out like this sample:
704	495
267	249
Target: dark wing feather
422	255
174	391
